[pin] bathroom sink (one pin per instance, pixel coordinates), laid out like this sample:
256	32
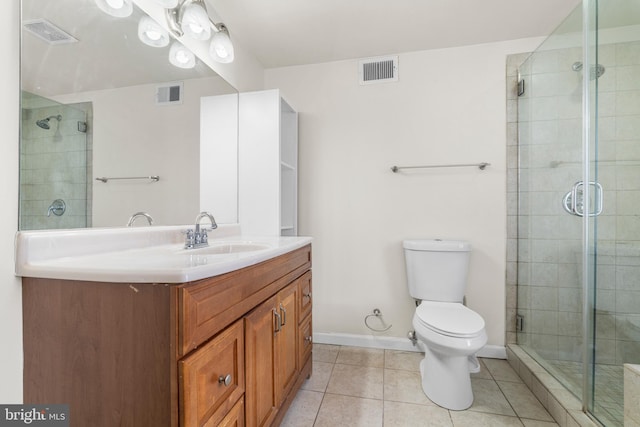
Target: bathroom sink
228	248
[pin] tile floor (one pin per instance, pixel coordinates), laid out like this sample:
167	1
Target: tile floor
353	386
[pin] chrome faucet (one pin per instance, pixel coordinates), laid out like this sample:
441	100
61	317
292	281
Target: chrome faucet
139	215
199	238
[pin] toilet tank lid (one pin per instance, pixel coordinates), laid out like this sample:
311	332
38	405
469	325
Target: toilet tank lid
437	245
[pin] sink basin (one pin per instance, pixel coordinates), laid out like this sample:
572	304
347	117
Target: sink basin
228	248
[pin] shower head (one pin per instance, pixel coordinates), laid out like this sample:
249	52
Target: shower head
44	123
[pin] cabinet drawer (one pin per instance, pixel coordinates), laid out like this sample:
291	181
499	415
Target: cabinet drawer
305	340
204	395
234	418
304	295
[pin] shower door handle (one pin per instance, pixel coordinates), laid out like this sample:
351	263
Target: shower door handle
573	201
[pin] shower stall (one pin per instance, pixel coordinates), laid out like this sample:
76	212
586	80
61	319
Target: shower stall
55	164
578	203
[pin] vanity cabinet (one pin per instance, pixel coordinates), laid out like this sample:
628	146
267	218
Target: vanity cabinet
272	346
223	351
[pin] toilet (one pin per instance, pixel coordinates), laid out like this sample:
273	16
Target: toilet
449	333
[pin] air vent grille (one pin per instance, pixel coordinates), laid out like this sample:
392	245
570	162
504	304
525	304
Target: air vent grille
169	93
378	70
48	32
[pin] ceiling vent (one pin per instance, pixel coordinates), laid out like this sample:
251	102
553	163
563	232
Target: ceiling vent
48	32
378	70
169	93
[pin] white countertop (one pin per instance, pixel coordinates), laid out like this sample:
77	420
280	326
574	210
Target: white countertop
138	255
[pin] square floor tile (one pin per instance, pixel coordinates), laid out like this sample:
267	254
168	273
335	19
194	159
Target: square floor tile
523	402
404	386
405	360
349	411
320	375
488	398
501	370
303	409
399	414
325	352
360	381
372	357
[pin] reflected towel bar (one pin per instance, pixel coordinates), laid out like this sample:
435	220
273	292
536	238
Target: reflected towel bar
480	166
154	178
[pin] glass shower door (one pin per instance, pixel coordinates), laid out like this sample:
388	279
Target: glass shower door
613	257
550	237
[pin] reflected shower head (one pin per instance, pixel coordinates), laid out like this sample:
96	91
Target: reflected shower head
44	123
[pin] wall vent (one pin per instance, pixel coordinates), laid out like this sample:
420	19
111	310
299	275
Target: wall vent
378	70
169	93
48	32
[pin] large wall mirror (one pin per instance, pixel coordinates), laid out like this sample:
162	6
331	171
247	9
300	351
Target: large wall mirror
104	105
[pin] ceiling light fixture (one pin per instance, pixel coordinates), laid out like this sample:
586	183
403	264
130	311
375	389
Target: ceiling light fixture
151	33
117	8
190	18
181	57
185	18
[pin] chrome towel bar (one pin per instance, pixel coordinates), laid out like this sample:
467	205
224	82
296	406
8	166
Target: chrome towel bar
480	166
154	178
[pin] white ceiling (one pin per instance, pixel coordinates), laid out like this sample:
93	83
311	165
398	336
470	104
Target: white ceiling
293	32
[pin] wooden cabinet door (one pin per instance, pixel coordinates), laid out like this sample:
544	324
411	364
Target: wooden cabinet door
286	367
260	336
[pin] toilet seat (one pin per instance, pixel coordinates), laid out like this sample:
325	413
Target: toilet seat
449	319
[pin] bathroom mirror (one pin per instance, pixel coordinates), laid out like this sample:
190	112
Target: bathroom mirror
102	104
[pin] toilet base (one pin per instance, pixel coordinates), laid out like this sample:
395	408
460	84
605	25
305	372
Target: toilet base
446	380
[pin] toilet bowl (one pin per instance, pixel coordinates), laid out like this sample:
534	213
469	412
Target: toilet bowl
450	334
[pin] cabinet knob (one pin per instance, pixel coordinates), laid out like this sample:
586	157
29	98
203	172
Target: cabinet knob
225	380
307	295
309	339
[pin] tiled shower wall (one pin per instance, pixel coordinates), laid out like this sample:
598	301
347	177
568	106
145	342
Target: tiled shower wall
54	165
544	242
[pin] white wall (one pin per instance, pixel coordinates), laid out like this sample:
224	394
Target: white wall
448	107
10	290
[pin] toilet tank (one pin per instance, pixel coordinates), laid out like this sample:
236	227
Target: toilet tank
437	269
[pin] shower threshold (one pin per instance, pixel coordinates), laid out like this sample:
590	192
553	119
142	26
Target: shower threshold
561	403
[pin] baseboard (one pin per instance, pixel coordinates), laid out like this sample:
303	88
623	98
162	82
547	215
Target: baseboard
370	341
393	343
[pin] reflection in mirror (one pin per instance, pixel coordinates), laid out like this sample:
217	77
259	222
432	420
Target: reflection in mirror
115	108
